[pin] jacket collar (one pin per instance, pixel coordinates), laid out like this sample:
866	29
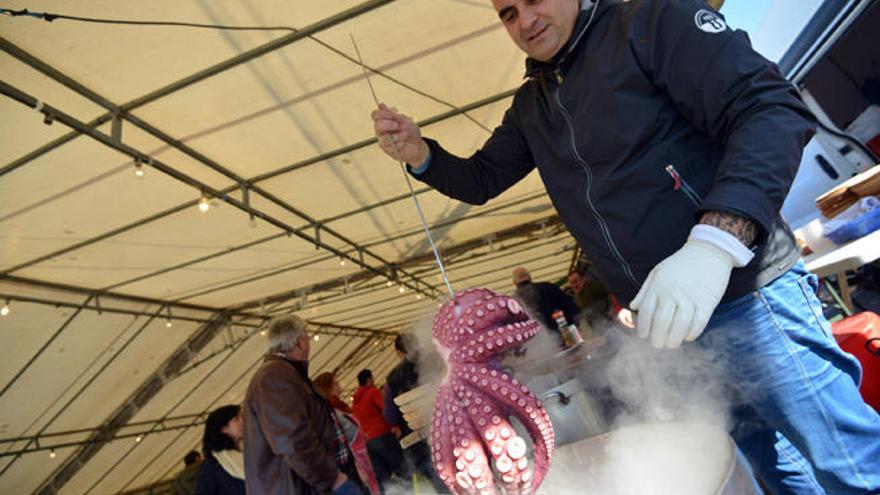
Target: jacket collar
589	11
301	366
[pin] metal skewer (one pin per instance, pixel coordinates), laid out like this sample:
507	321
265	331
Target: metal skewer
412	192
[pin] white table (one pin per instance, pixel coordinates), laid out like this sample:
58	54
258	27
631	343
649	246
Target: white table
839	260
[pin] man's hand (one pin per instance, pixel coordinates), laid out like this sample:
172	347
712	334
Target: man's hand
625	317
681	293
399	137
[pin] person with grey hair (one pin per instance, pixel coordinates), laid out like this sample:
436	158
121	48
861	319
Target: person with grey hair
293	441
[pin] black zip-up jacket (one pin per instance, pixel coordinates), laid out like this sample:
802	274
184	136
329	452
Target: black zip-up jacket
653	113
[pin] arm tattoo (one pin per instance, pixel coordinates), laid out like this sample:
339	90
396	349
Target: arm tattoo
740	227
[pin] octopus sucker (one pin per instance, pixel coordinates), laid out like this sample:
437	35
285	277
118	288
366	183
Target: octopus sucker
473	441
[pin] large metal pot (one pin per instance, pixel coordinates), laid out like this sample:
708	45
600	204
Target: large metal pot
570	385
651	459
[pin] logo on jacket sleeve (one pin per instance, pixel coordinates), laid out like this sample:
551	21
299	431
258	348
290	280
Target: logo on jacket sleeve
709	22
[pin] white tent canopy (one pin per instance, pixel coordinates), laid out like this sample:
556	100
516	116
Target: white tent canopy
99	393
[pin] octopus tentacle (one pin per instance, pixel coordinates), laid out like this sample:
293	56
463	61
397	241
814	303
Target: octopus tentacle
495	341
473	472
441	437
507	449
520	401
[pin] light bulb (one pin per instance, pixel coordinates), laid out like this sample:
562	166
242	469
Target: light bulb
138	438
341	261
5	310
138	168
204	206
317	338
168	324
419	295
389	283
401	289
263	333
52	454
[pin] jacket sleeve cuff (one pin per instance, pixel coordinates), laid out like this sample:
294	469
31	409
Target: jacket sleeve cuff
424	171
421	168
740	254
743	199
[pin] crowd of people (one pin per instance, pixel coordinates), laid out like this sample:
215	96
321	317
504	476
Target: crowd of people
297	435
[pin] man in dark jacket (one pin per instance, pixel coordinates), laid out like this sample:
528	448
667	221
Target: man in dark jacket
543	299
403	378
293	443
668	146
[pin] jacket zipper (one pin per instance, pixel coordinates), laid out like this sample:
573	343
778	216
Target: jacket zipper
603	226
681	185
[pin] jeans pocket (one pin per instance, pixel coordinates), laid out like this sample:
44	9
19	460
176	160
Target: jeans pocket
810	287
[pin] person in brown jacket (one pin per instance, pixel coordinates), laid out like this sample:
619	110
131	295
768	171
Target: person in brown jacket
293	443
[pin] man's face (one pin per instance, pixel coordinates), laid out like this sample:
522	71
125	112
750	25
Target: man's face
539	27
576	281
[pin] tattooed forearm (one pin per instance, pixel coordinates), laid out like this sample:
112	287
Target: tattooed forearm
740	227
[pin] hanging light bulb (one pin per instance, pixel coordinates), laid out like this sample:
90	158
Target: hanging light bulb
168	323
389	283
138	168
419	295
317	338
138	438
401	289
52	454
5	310
204	206
341	261
263	333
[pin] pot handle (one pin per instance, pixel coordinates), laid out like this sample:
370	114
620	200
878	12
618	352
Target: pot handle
563	399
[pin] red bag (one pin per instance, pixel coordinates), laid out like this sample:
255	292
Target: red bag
859	335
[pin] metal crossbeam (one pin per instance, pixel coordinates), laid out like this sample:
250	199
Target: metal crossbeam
513	232
137	400
201	75
51	441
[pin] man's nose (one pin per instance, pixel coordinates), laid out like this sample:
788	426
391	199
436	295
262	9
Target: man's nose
527	18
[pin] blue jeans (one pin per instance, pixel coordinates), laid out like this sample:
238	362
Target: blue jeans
800	420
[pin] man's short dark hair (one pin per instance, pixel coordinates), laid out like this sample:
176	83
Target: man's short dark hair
191	458
363	376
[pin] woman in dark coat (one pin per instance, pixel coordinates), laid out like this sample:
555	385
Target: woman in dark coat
222	472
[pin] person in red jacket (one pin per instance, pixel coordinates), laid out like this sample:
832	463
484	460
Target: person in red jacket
385	452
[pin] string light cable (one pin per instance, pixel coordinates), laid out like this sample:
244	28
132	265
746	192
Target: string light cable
51	17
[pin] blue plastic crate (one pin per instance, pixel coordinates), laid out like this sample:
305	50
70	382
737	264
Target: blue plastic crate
858	227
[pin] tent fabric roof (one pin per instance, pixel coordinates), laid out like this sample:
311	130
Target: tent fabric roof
274	127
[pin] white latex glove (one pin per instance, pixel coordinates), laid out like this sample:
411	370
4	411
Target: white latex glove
681	293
